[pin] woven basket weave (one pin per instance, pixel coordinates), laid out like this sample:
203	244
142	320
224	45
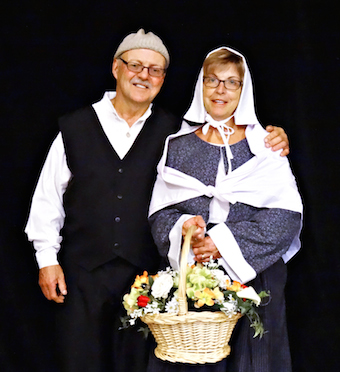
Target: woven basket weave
191	337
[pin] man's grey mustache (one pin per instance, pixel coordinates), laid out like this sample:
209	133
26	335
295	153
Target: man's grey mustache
137	80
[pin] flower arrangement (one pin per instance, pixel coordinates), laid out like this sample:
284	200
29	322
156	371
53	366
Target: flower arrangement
208	288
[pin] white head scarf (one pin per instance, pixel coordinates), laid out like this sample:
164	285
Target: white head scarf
243	115
245	111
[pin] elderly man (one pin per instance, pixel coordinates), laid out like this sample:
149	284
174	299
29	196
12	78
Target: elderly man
92	200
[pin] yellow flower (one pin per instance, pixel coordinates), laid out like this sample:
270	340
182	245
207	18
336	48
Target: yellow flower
236	286
130	300
204	297
141	281
218	295
154	276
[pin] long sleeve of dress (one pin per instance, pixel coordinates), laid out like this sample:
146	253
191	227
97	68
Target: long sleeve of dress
161	224
261	235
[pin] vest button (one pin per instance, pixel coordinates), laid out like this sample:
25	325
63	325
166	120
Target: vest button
117	219
119	196
120	170
116	245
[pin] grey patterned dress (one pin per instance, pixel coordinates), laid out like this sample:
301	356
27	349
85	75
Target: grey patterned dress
263	236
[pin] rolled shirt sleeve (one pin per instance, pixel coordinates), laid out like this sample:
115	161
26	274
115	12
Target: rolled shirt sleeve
250	246
47	214
232	258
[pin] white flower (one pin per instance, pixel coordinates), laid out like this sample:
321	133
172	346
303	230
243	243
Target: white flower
155	307
221	277
172	306
229	307
147	309
134	315
162	285
151	308
250	294
211	264
132	321
219	301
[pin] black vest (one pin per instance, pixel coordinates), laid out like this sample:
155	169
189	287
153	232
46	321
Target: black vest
106	202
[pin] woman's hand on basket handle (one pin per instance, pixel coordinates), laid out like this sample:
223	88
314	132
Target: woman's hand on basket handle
198	235
203	250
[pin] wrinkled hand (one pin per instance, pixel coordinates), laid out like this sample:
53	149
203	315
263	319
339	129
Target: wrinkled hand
204	249
52	283
198	235
277	139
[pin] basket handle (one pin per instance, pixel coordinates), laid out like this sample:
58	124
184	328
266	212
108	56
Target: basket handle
182	295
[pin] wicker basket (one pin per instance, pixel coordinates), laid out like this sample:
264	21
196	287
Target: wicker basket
191	337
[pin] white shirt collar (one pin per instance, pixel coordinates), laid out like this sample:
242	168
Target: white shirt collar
120	135
107	105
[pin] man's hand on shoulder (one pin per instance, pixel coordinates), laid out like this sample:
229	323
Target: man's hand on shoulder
52	283
277	139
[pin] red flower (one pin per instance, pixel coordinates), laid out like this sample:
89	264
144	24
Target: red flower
142	301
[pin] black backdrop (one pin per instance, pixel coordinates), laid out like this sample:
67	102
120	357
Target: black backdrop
56	57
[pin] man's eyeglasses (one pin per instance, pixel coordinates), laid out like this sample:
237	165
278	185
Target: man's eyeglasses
137	67
213	82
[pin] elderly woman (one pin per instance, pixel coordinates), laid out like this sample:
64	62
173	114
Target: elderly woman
217	174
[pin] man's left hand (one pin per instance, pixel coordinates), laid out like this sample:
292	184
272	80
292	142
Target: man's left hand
277	139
